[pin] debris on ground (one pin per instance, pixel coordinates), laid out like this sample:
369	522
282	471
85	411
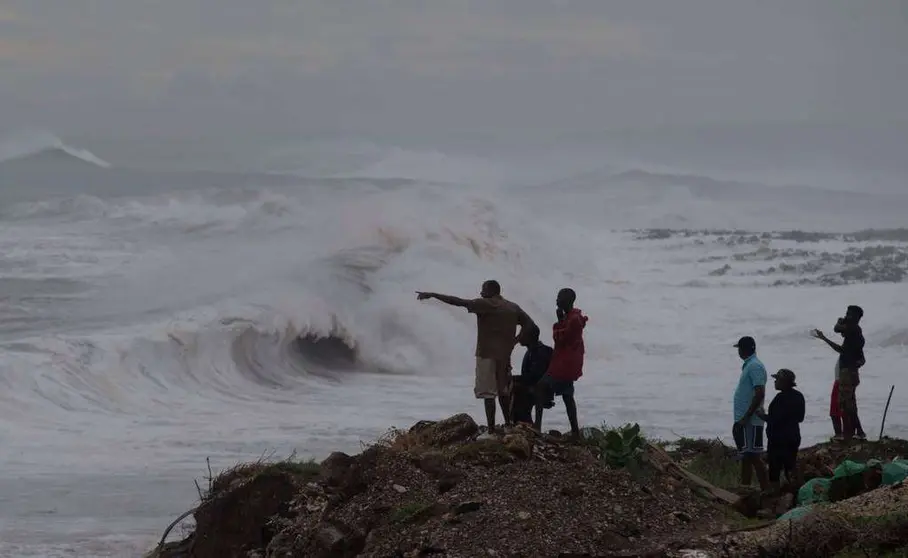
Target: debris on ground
441	489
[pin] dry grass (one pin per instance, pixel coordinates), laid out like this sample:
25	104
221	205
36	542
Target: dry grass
304	470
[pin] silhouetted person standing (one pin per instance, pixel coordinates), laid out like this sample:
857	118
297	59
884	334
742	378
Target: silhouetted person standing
535	364
496	334
851	359
783	429
567	359
748	401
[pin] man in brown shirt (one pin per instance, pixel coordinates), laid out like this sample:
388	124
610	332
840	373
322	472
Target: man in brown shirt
496	334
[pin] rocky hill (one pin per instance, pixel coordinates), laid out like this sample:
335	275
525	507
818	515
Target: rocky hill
439	490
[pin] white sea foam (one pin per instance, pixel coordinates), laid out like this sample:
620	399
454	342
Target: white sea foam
145	331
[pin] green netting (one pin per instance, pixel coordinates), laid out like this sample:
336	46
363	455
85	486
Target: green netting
817	490
895	472
814	491
848	468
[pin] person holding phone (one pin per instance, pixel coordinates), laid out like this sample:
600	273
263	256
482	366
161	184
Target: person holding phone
850	361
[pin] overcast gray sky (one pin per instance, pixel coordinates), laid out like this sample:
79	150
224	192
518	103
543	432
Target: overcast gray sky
193	68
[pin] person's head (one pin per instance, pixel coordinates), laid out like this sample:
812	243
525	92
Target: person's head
490	288
565	299
784	379
747	347
853	314
529	336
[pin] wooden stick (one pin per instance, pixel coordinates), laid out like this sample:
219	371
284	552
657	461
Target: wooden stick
885	412
170	528
663	461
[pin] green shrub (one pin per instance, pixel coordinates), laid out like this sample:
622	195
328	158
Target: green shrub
620	447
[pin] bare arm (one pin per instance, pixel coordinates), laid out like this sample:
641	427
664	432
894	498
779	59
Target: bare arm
819	335
447	299
525	322
759	394
835	347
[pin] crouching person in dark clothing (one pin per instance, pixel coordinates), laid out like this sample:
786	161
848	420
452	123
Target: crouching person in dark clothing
535	364
783	430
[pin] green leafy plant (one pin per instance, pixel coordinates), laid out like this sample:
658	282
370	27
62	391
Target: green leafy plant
623	446
620	447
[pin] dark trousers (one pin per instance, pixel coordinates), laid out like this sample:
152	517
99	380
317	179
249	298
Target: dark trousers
523	398
782	457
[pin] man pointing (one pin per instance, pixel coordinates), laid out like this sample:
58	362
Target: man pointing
496	322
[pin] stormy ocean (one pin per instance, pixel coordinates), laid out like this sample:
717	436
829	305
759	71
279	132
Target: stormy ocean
152	318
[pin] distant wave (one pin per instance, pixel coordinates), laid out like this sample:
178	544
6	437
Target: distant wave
898	338
43	147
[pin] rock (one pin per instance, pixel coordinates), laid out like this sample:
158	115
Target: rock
335	539
335	467
681	516
523	515
433	464
518	445
359	475
421	425
240	517
457	428
467	507
399	489
315	506
448	482
720	271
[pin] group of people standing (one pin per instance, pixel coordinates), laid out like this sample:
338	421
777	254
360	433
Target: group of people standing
547	372
786	411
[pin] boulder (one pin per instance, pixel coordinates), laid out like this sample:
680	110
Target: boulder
458	428
334	469
239	518
328	539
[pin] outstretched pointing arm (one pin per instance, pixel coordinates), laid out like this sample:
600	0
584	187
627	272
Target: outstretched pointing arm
447	299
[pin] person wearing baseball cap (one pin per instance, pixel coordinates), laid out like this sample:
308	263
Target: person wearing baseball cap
748	401
783	430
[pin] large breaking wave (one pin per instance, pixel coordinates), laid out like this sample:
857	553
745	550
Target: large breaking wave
136	291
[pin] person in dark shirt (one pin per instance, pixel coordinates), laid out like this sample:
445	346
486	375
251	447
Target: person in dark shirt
851	359
783	430
535	364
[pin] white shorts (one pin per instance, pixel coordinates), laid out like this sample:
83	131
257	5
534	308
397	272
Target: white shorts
493	378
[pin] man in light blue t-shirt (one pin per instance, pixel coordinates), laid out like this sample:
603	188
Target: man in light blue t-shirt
748	427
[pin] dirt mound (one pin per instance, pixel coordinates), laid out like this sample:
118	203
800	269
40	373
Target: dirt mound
437	490
822	459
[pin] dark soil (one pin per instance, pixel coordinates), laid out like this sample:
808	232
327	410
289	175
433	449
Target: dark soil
437	490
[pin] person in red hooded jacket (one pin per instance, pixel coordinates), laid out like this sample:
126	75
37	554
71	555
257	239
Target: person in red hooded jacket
566	366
